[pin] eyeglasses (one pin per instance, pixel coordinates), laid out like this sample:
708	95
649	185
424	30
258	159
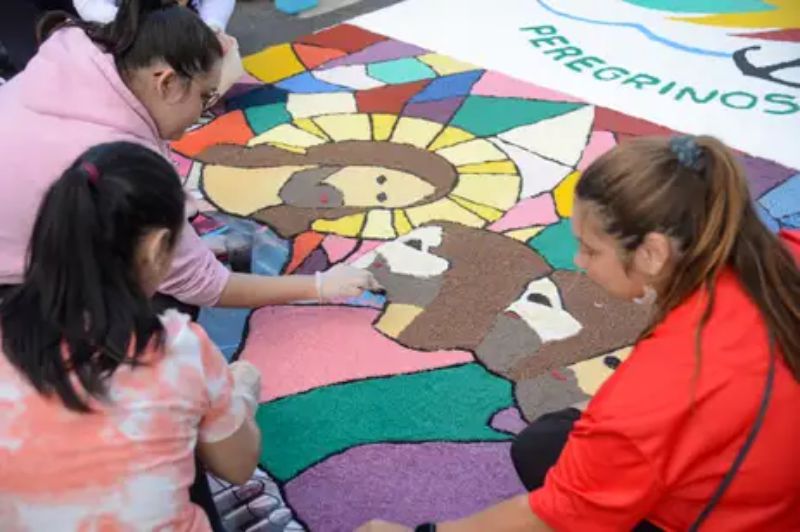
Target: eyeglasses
210	99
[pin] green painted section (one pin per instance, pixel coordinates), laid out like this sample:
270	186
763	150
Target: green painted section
486	116
446	404
265	117
704	6
399	71
557	245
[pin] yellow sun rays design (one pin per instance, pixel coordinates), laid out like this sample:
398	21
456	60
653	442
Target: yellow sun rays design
488	182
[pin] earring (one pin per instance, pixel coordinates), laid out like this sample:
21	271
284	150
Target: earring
648	297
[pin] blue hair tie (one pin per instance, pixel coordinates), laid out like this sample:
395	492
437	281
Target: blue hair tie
689	154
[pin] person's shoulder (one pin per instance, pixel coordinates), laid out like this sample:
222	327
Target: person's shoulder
181	333
661	372
659	367
68	38
187	343
12	383
184	352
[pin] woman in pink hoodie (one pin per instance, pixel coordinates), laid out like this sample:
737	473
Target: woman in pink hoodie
145	78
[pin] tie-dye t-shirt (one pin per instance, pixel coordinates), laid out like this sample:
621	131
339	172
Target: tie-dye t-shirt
127	465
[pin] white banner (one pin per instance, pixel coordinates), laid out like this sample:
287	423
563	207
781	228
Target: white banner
730	68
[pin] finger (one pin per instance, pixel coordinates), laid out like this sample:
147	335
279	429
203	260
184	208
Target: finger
365	278
374	285
353	291
368	285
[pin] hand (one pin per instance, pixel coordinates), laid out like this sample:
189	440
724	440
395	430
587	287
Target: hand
232	69
247	383
343	281
382	526
226	41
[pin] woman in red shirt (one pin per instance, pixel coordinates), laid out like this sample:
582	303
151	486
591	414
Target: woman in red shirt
699	426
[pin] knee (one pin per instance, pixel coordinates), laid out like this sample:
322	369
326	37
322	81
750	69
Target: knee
537	448
529	460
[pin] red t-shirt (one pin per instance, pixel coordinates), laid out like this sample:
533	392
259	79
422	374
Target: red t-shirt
644	450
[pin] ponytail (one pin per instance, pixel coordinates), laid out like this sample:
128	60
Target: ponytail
145	31
700	199
81	311
766	268
120	35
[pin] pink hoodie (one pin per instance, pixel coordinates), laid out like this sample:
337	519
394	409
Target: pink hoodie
69	98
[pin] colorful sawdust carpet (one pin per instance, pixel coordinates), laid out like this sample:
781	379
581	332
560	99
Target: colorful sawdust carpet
454	186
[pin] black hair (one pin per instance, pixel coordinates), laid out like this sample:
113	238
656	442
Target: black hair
81	311
145	31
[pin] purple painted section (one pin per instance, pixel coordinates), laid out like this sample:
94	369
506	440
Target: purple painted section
403	483
509	421
439	110
382	51
242	88
764	175
316	262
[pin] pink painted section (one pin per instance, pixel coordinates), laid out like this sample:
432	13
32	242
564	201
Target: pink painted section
599	143
299	348
337	247
182	164
366	247
529	212
250	80
500	85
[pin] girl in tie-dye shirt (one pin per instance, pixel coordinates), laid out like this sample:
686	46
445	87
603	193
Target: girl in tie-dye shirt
102	403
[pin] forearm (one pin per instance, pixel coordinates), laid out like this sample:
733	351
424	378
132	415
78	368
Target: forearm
513	515
253	291
217	13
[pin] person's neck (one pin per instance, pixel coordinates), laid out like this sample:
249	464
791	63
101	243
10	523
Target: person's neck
134	84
